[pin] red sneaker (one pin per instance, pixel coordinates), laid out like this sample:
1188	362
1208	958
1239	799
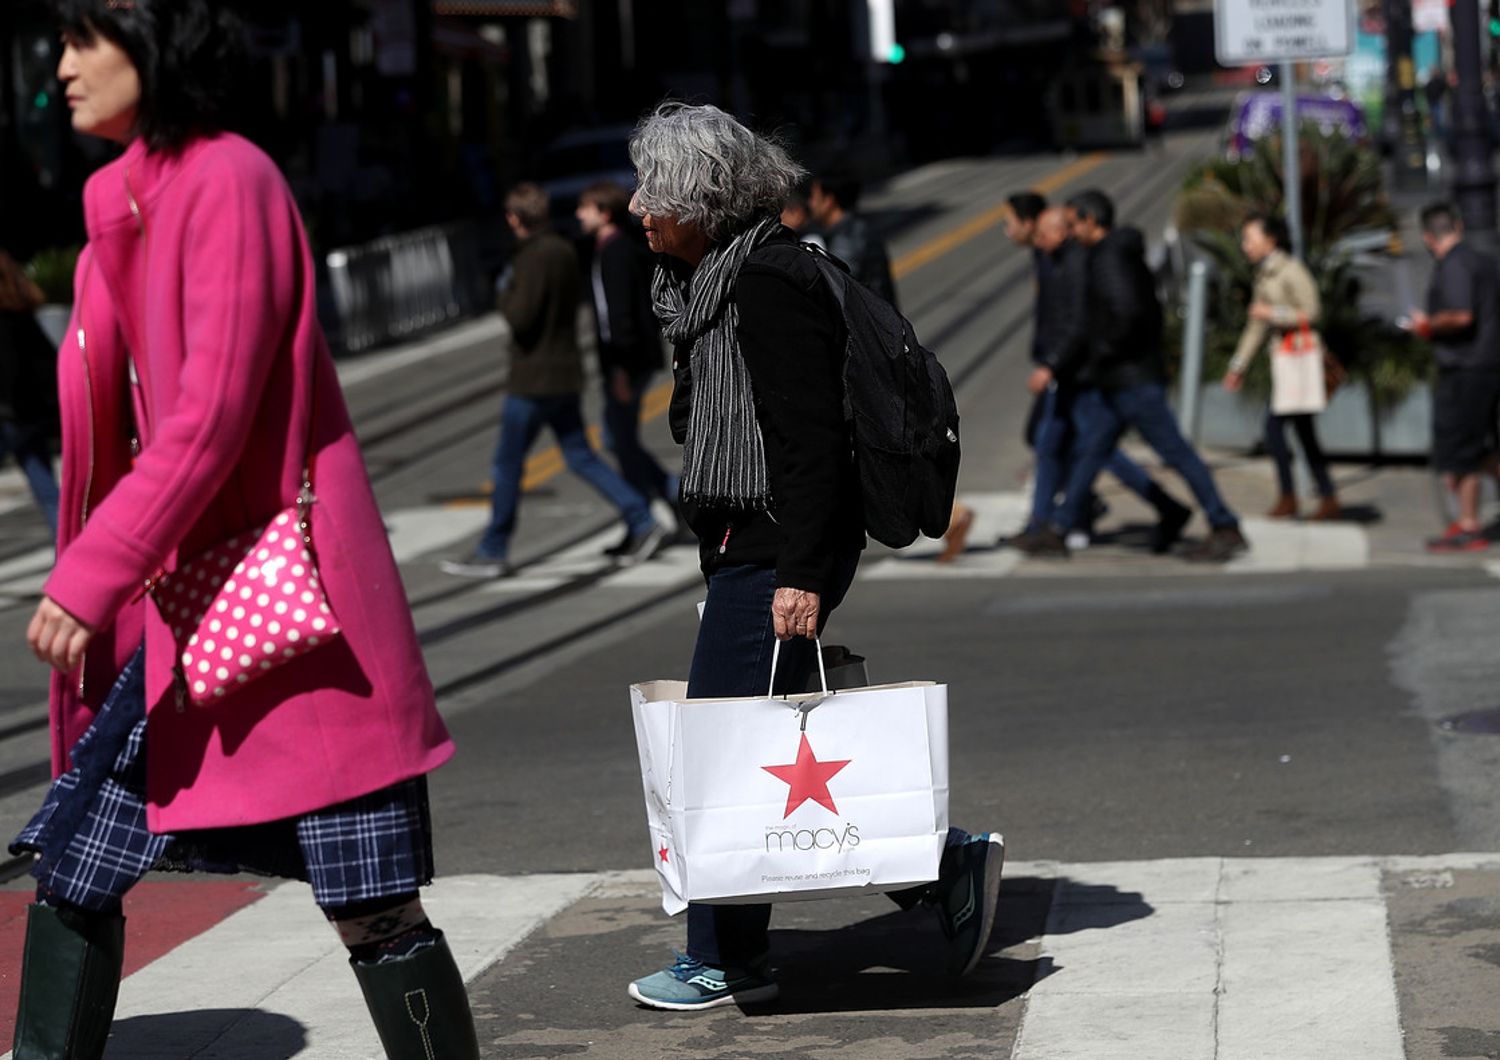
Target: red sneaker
1457	539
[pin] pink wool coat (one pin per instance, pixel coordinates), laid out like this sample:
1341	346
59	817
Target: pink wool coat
197	265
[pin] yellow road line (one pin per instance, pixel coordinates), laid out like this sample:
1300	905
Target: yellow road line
548	464
949	241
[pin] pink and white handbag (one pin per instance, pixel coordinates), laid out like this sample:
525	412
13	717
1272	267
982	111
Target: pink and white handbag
246	606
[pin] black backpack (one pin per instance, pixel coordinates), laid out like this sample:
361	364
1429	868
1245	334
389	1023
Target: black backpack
902	417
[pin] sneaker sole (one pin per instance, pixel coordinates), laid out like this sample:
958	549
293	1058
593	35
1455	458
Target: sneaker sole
991	901
769	992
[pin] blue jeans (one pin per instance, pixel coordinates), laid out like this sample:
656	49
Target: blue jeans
1101	418
1053	443
622	436
521	420
35	458
733	658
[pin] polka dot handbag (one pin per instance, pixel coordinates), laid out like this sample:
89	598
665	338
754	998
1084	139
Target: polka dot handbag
245	607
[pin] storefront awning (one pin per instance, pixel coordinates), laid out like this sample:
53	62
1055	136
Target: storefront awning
507	8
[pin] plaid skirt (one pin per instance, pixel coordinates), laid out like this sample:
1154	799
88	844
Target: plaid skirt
92	843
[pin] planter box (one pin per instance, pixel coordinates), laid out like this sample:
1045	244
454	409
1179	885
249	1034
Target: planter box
1348	427
53	320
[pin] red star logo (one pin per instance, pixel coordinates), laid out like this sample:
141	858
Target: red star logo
662	853
808	779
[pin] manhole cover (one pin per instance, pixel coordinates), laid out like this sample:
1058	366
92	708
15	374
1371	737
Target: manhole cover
1476	722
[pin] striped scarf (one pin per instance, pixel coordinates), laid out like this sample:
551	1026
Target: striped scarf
723	455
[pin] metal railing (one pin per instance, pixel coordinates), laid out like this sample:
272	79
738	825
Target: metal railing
402	286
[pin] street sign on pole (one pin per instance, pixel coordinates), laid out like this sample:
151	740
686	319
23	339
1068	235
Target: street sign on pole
1262	32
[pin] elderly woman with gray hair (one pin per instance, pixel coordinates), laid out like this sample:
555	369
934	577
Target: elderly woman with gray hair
768	485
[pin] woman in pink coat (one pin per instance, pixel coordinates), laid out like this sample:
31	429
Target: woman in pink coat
196	390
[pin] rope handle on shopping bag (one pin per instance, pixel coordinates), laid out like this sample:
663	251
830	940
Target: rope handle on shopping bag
805	707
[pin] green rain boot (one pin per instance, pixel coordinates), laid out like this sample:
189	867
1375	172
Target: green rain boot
420	1006
70	978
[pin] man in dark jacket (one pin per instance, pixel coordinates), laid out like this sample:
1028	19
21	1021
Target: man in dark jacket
1112	350
1060	267
540	303
630	349
848	236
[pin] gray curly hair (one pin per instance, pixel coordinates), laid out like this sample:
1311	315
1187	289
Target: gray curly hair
699	166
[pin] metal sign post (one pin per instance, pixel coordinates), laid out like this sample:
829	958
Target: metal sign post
1267	32
1291	157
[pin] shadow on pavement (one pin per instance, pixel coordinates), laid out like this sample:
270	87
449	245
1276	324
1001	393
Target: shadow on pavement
167	1035
896	961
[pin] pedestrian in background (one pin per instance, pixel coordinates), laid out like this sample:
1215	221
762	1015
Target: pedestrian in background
317	769
1284	308
1463	323
833	201
540	303
1113	348
28	386
1060	268
769	482
630	347
796	216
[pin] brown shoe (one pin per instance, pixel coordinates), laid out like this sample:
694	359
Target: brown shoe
1285	508
1329	510
1222	544
957	534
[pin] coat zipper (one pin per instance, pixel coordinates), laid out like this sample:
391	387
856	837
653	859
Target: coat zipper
88	383
88	387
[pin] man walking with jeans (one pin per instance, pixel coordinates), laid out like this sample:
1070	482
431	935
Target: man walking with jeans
1463	323
1061	271
630	350
540	303
1113	350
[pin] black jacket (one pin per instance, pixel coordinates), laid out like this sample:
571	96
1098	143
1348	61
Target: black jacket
1060	287
620	281
855	242
1113	328
792	338
541	307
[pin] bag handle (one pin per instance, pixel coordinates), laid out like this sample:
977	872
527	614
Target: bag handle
776	657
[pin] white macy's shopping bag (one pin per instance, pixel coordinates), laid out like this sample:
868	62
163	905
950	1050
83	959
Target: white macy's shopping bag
777	799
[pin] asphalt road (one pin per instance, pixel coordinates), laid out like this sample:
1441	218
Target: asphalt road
1136	714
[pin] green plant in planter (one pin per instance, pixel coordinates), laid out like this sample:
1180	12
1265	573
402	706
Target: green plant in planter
52	271
1342	196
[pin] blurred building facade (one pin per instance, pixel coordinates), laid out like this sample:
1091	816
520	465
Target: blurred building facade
387	114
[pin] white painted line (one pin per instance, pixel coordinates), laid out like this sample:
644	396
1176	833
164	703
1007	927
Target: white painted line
1310	979
25	575
995	515
416	532
276	966
1284	546
1233	959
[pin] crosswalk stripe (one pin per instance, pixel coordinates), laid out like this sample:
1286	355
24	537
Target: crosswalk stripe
1229	959
1276	546
276	972
1224	958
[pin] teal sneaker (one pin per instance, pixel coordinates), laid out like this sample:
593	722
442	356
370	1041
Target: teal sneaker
690	985
966	899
